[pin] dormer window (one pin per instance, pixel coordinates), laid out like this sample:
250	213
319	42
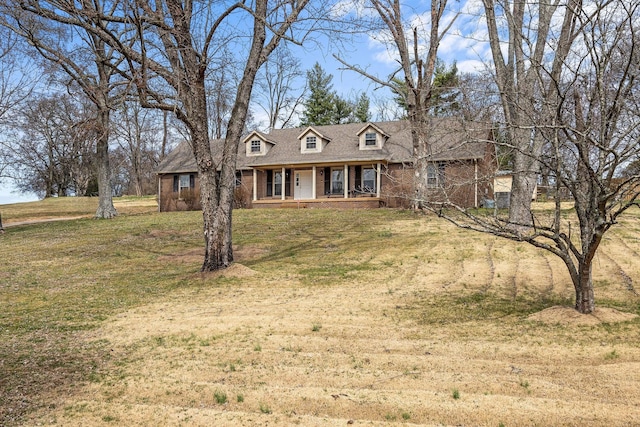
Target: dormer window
311	143
370	139
257	144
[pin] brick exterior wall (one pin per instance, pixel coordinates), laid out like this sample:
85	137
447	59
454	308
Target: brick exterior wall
396	182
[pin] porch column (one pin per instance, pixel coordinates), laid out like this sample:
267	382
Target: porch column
378	176
346	181
313	182
255	185
284	184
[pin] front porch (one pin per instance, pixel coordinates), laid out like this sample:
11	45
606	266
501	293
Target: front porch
355	185
321	203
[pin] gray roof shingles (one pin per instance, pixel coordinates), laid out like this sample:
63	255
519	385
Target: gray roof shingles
448	139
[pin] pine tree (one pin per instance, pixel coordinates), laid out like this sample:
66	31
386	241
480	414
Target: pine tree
444	94
361	110
444	99
319	107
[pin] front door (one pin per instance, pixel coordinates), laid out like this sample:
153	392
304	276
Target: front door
303	185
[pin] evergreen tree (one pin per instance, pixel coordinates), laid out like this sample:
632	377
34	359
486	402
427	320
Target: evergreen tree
320	106
444	93
342	111
400	91
444	98
361	110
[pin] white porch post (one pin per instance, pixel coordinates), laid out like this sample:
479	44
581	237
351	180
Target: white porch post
284	184
313	182
255	185
378	176
346	181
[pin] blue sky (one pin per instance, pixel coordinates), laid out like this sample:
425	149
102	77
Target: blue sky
464	44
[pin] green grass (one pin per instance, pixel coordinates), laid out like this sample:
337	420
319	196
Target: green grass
60	280
221	397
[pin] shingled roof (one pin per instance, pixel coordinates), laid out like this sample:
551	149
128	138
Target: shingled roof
182	160
449	140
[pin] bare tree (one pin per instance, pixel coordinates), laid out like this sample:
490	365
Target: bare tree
526	76
279	91
417	72
136	131
88	62
16	82
588	140
51	152
175	43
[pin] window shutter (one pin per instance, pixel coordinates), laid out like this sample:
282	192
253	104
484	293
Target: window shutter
192	181
269	183
358	180
327	180
175	183
287	182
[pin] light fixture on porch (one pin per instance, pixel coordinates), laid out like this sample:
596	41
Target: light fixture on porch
321	172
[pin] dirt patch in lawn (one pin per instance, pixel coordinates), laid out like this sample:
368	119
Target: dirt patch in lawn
569	316
195	256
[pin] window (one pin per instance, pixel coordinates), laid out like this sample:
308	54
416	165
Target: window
255	146
370	140
277	183
435	175
184	183
336	181
369	180
311	143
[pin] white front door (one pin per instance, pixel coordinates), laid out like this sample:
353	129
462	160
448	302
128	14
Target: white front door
303	185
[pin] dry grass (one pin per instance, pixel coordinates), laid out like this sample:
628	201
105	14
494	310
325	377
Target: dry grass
327	318
70	208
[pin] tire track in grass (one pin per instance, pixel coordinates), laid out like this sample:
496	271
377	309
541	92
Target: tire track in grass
619	270
514	280
633	259
492	267
548	291
505	265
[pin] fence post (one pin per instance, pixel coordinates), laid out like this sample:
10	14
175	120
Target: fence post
1	229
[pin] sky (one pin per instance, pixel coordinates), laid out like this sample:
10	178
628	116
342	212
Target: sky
8	195
463	44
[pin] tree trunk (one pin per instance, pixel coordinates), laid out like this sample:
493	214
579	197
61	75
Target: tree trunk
523	185
216	217
585	299
420	165
106	209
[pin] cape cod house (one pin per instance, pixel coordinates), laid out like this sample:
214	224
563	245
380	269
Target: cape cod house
366	165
